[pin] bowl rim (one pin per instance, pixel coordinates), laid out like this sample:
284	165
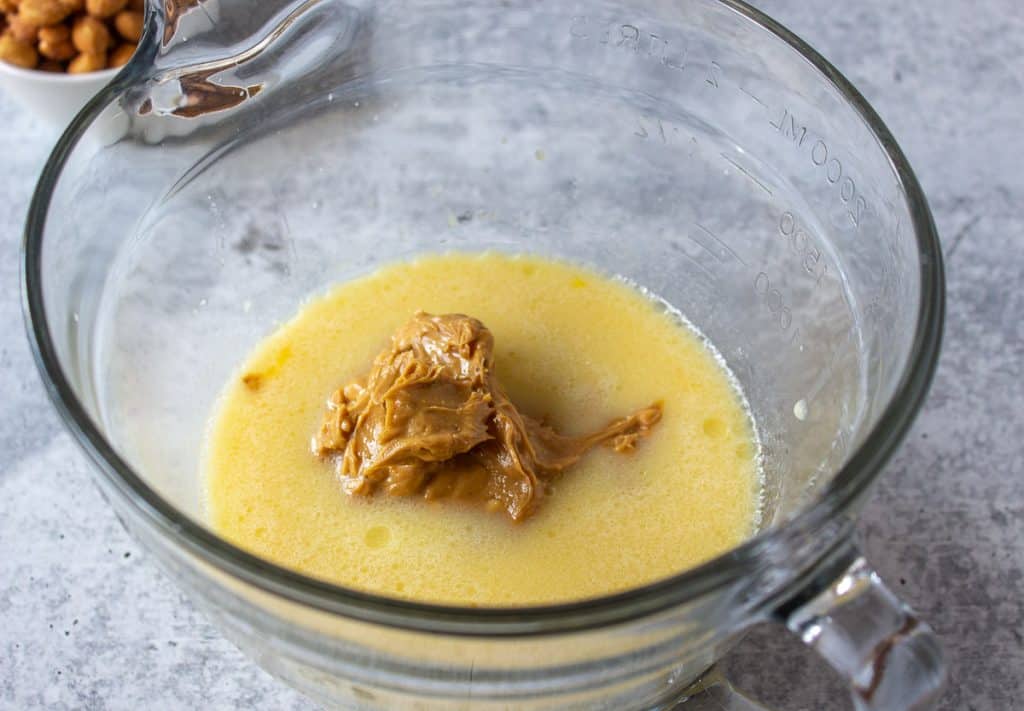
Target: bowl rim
842	492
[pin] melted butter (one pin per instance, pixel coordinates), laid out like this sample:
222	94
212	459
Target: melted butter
571	346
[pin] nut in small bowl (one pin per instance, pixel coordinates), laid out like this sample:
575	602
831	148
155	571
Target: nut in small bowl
56	54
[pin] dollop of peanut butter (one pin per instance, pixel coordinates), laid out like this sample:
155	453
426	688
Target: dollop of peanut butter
432	419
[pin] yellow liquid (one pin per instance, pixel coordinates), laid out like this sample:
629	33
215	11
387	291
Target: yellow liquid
571	345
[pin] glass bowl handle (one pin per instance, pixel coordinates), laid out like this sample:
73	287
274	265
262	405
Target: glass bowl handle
890	658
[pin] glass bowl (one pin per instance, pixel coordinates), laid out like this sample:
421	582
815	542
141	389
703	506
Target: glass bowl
253	154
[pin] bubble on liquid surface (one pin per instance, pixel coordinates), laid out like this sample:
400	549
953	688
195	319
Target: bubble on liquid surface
800	410
714	427
377	537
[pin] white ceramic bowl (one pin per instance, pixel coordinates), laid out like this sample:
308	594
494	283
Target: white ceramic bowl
54	97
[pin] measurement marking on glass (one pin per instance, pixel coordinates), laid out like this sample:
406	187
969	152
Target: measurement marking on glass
804	244
824	157
746	172
764	105
720	242
778	305
679	248
714	71
643	133
706	248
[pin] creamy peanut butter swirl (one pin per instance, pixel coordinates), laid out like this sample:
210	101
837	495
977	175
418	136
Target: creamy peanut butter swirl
432	419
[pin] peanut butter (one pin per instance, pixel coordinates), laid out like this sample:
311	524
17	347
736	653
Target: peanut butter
431	419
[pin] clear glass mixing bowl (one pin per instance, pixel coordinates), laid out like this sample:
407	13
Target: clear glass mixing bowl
254	153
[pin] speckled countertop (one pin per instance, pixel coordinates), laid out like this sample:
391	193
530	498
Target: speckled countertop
86	620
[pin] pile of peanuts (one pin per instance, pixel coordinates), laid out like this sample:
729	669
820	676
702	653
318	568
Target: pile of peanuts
73	36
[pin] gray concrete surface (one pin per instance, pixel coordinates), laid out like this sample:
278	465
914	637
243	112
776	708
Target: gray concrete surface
86	621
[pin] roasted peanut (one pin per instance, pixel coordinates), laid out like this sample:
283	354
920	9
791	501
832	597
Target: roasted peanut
55	43
54	33
89	35
103	8
70	35
21	30
42	12
129	24
87	62
14	51
120	56
58	51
